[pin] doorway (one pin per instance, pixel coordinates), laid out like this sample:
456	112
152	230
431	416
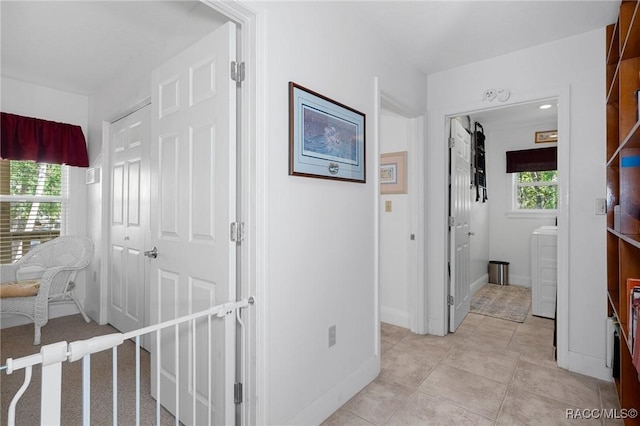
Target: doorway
401	219
499	228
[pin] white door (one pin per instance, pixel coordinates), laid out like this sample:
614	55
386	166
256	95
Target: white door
460	211
193	189
129	146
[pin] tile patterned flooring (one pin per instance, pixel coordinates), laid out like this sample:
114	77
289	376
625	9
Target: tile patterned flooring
489	372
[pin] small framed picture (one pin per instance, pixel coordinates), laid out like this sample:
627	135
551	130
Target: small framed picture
326	138
393	173
546	136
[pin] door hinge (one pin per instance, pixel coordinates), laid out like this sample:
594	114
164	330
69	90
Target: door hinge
450	300
237	71
452	142
452	221
237	393
236	232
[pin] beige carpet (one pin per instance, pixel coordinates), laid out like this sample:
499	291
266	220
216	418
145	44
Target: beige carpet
17	341
509	302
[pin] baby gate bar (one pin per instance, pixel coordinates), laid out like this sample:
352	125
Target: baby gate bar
52	356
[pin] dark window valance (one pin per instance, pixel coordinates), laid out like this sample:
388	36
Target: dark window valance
42	141
532	160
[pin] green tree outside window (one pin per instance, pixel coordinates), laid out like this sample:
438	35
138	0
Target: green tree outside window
537	190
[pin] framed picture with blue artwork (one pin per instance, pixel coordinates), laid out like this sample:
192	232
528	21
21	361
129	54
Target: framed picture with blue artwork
326	138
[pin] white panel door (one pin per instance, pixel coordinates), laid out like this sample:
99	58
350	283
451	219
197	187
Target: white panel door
193	173
129	146
460	210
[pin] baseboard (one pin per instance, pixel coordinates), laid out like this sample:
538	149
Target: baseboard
589	366
394	317
521	280
479	283
56	310
327	404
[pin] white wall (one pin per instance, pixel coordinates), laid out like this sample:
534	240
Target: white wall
394	230
575	63
31	100
510	233
321	238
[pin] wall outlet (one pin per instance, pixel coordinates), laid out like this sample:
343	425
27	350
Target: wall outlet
332	335
387	206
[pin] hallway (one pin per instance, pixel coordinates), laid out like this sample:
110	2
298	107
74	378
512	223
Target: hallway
490	372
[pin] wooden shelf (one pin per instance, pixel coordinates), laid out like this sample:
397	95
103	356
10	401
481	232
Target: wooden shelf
623	186
634	240
632	140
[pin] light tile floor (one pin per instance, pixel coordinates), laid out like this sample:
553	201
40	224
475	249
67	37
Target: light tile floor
489	372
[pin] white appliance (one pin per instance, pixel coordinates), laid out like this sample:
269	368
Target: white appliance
544	271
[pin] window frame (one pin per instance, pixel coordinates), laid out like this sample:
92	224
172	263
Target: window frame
63	199
537	213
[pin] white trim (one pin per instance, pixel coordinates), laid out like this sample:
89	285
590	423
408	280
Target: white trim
564	165
418	305
394	317
379	101
588	366
105	241
520	280
531	214
332	399
514	195
479	283
252	208
437	289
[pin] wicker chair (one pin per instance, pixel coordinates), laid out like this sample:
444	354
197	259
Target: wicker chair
58	261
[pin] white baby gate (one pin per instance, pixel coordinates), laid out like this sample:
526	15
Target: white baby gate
52	356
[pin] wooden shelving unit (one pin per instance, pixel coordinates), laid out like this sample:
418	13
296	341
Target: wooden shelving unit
623	185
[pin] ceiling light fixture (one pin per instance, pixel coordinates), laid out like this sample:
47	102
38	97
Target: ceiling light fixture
545	106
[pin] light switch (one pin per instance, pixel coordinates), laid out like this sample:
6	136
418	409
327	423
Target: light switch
387	206
601	206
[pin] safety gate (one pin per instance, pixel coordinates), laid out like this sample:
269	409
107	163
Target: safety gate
52	357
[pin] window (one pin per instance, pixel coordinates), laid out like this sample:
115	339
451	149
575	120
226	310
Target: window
33	201
534	191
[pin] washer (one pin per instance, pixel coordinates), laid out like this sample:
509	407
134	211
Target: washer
544	271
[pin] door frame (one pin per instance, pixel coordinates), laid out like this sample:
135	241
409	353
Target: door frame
415	179
452	242
251	199
437	289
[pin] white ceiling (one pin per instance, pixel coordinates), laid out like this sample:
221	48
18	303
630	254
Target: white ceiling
438	35
78	46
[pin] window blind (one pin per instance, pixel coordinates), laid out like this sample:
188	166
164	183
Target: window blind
532	160
33	201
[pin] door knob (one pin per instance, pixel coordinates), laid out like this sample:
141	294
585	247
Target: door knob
472	233
153	253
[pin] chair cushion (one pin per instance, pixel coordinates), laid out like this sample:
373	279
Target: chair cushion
23	288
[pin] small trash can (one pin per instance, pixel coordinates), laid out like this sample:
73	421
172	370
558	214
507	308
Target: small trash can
499	272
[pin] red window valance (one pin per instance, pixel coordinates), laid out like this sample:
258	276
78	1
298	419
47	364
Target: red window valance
26	138
532	160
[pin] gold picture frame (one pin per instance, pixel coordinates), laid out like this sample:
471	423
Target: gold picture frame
393	173
546	136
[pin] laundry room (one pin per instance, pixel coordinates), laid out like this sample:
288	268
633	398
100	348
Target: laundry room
513	215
